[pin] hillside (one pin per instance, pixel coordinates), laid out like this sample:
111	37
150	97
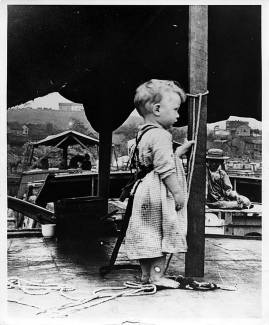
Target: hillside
51	100
61	119
43	122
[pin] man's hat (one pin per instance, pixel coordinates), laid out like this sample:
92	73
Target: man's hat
216	154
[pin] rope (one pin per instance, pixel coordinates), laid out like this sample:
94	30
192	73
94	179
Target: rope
127	290
199	94
22	303
98	296
37	287
194	148
192	136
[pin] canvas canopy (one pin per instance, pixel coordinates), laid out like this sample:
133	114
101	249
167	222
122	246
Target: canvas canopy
98	55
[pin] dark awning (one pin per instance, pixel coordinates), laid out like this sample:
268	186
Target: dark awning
65	139
98	55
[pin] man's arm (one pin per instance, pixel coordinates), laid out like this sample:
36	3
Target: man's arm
228	188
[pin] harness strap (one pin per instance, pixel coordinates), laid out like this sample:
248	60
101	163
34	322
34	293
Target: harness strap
137	140
106	269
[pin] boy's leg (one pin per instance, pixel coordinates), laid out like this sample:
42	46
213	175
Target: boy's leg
157	268
145	268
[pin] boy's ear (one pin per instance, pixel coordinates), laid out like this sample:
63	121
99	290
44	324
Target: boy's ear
156	109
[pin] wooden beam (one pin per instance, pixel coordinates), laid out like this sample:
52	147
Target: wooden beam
105	146
198	65
65	155
31	210
31	156
57	145
81	143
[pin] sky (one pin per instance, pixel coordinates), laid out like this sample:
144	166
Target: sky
51	100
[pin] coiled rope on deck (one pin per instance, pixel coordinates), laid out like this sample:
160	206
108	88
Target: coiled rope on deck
97	297
37	287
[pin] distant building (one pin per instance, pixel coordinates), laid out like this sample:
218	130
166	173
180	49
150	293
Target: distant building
221	133
238	128
71	107
254	147
16	129
243	131
25	130
256	133
17	135
232	126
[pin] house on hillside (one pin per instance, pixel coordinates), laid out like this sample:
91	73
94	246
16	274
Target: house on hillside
256	133
254	147
25	130
17	134
232	127
221	132
243	131
71	107
17	129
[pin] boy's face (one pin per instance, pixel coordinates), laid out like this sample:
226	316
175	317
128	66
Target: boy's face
168	109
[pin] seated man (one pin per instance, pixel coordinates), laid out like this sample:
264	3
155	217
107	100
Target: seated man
74	161
86	163
220	194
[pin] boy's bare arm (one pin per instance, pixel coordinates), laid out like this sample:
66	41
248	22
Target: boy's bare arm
180	151
173	186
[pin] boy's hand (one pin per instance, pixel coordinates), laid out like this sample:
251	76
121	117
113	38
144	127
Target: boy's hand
173	186
179	201
184	147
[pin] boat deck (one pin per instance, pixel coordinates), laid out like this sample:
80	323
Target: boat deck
228	261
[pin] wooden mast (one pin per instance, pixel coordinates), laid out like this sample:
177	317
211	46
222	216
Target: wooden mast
105	145
198	65
65	155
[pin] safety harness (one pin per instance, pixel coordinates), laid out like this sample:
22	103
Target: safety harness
128	192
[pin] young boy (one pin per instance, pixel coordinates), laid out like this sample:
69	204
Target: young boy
158	223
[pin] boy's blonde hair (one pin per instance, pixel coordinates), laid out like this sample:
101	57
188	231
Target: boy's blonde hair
151	92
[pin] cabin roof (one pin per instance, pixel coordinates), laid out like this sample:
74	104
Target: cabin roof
66	138
98	55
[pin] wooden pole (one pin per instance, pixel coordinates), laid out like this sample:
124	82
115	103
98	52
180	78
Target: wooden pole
198	65
104	166
31	155
65	153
